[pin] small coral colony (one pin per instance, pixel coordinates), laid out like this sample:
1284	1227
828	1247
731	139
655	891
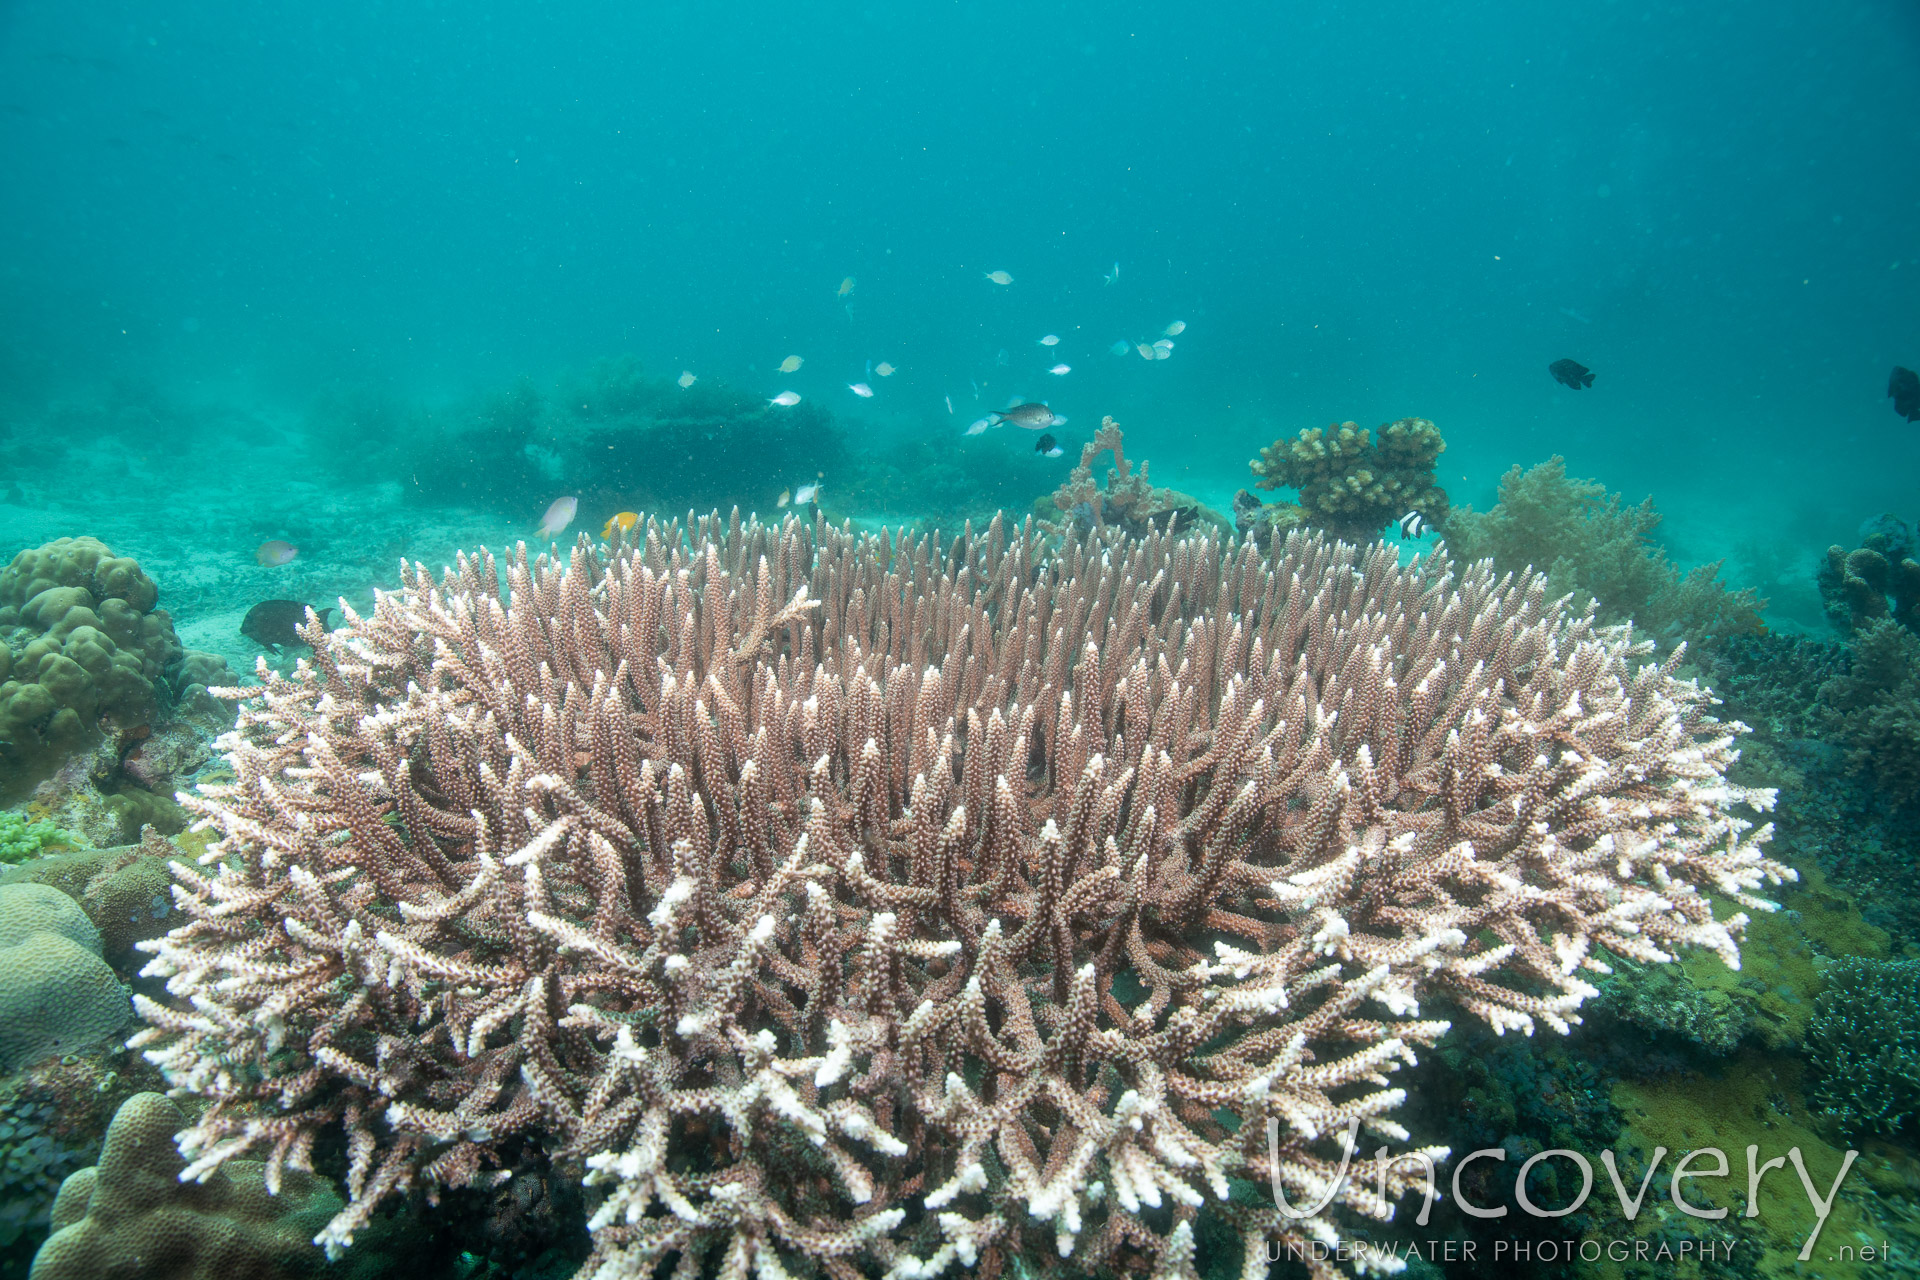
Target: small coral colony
1056	894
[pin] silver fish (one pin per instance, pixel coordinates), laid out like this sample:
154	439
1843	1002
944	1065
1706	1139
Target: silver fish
1032	415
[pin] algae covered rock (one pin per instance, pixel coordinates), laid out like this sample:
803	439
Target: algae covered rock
1878	579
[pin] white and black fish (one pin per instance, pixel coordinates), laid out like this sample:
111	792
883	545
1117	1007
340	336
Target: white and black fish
1047	447
1414	525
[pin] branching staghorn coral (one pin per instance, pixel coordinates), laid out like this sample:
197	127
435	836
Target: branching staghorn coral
857	909
1130	503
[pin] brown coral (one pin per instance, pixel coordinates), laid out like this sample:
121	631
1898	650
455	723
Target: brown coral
1129	503
1352	484
904	907
1859	587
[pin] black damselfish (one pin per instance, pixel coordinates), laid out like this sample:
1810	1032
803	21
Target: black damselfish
1571	373
1904	387
272	623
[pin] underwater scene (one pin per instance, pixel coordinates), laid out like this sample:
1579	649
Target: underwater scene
876	642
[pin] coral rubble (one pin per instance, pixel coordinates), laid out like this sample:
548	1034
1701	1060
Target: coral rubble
1353	481
1590	544
866	908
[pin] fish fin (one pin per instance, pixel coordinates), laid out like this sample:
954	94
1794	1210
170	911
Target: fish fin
1587	381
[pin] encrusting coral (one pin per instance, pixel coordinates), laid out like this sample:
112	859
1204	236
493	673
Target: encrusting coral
1590	544
859	908
1351	484
1129	503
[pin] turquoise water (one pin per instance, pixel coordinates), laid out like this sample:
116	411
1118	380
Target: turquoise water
220	217
385	280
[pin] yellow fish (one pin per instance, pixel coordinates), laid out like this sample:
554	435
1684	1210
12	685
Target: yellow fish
786	496
623	521
846	287
790	364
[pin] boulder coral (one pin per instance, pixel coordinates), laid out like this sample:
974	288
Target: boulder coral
92	676
1878	579
84	641
56	993
131	1217
1353	481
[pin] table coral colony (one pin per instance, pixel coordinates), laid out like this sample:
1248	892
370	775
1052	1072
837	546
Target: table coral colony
862	909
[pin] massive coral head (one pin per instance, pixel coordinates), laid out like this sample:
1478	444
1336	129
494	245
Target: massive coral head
860	908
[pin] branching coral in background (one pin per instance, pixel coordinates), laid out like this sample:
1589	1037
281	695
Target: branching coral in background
1864	1042
860	909
1129	503
1874	709
1590	544
1351	484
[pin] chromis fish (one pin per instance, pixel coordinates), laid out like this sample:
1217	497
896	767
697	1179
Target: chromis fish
1903	388
621	520
1061	369
1000	277
846	287
977	426
1047	447
1571	373
806	493
884	369
791	363
1032	415
786	399
1174	330
686	379
786	496
273	553
861	389
558	516
1051	340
